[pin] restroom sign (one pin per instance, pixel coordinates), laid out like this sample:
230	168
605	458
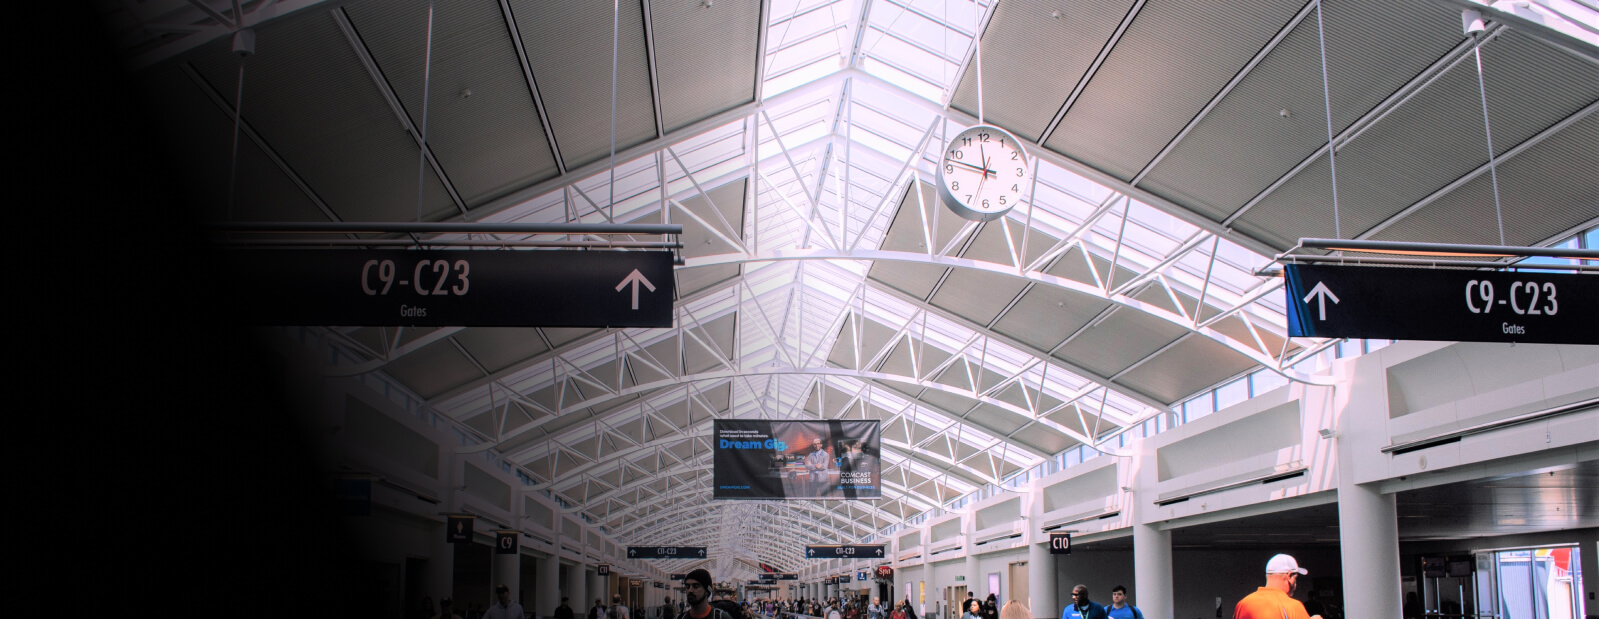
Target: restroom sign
1060	543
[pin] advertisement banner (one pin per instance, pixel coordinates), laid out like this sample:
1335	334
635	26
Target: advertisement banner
763	459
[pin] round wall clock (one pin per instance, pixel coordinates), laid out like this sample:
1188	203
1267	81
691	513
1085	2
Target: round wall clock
983	173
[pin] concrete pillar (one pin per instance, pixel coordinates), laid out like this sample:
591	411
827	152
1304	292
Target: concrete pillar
1152	581
1041	581
547	587
441	566
506	570
577	585
1368	527
596	590
974	579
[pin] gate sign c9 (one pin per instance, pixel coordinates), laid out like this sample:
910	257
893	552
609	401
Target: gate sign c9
845	551
1435	304
761	459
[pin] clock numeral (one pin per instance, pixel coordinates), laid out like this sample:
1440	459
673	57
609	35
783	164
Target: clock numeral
1019	173
983	136
968	197
1002	199
1014	156
985	204
956	185
949	168
957	154
1015	188
966	141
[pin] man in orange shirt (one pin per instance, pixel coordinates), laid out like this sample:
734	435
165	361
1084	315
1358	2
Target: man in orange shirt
1274	600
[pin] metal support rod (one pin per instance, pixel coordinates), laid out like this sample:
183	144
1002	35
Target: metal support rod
444	227
1443	249
453	243
1275	271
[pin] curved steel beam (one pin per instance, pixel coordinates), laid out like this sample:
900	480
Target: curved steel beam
1011	271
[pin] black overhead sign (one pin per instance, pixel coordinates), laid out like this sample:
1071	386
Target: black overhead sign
666	552
454	288
603	569
458	529
1060	543
846	551
1434	304
678	576
506	542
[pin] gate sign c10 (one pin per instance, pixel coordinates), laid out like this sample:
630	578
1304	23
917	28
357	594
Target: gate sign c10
666	552
1335	301
845	551
1060	543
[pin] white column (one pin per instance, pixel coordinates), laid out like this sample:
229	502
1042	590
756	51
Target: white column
1152	582
1368	527
547	586
506	570
974	580
596	590
1041	579
577	585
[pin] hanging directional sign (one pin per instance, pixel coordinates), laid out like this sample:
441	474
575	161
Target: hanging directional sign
458	529
844	551
505	542
788	576
454	288
666	552
355	495
1060	543
1336	301
679	576
603	569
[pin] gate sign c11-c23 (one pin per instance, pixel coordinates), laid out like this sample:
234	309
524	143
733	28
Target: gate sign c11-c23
762	459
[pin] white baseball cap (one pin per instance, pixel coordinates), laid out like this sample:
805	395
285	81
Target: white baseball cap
1284	564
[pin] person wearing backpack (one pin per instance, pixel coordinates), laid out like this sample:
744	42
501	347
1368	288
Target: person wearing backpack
668	611
1119	608
619	611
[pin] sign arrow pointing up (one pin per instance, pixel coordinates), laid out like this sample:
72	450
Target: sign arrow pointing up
637	278
1320	293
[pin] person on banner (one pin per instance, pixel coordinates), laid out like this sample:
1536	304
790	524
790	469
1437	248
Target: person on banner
818	464
1082	607
1275	600
1119	608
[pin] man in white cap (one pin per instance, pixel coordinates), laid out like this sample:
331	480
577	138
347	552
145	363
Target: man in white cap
1275	601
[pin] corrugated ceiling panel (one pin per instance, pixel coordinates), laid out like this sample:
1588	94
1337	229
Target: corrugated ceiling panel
1530	87
1031	62
569	46
1193	364
313	101
1546	190
698	241
498	347
204	136
905	234
1123	338
1419	147
704	56
489	143
1174	58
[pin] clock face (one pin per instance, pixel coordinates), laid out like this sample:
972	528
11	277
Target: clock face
984	173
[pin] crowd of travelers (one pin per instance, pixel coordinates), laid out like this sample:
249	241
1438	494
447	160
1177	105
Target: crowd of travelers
1273	601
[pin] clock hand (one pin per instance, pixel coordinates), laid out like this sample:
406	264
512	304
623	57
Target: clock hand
985	171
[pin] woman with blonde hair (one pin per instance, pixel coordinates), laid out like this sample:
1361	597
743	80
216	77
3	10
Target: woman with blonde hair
1015	610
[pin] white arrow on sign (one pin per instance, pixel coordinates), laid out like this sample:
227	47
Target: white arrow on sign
1320	293
635	278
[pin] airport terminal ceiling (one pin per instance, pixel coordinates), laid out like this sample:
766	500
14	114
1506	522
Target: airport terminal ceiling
1178	145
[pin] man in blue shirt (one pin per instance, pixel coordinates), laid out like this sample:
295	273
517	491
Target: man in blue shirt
1119	608
1081	607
